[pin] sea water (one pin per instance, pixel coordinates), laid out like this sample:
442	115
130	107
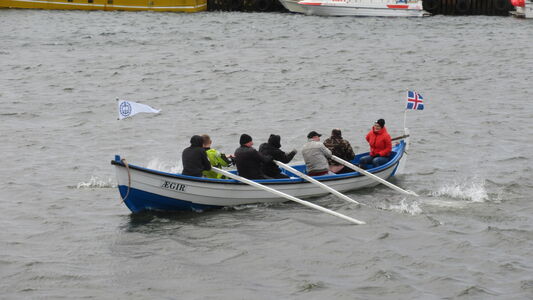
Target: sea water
66	234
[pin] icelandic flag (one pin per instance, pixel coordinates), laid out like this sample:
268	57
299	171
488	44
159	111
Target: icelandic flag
127	109
414	101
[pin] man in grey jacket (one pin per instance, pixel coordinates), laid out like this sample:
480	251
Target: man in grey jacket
316	155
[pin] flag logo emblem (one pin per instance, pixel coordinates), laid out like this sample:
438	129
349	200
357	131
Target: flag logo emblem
125	109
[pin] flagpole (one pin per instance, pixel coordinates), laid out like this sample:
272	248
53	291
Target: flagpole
118	108
404	117
405	111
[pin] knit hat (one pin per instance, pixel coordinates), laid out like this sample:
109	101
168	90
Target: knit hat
381	122
336	132
312	134
245	139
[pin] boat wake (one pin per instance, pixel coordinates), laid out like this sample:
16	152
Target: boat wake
455	195
96	182
473	191
405	207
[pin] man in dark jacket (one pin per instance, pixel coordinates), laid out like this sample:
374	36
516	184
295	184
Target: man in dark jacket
194	158
248	160
272	149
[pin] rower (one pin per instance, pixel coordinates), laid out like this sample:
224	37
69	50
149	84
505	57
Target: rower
194	158
248	160
315	155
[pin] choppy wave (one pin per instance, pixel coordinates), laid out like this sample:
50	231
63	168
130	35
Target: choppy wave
259	81
96	182
412	208
474	191
308	286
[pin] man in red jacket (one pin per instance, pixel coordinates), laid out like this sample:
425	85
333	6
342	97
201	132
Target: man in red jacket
380	145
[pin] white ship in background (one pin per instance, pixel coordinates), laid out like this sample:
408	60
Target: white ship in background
368	8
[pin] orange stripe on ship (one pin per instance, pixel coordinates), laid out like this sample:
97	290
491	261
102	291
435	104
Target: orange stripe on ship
397	6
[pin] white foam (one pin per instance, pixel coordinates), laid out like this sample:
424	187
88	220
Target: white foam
409	208
164	166
445	203
96	182
472	191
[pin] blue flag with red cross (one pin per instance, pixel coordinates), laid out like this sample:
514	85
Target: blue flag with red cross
414	101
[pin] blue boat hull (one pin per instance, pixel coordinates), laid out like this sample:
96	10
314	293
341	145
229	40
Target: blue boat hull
138	201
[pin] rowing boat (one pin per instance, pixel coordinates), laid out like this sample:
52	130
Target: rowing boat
145	189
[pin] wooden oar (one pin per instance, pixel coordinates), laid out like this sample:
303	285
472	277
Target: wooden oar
312	180
385	182
400	137
287	196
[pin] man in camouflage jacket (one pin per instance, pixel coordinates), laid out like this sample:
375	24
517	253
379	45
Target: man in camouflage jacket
340	148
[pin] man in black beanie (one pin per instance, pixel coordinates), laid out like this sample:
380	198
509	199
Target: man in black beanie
245	139
248	160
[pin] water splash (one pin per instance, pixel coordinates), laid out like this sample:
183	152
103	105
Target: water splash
164	166
473	191
409	208
96	182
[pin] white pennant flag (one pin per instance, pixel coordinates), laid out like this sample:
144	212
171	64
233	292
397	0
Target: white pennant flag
128	109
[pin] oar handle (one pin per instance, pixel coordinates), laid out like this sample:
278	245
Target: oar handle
385	182
287	196
400	137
